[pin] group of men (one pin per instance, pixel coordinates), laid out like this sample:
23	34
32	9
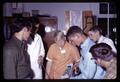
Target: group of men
23	54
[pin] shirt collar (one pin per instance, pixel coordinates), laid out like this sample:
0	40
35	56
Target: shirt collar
85	42
100	39
18	42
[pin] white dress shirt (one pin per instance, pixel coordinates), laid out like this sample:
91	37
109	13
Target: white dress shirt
108	41
36	49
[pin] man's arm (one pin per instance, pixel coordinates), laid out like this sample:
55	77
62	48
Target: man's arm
9	63
41	51
40	60
88	67
49	59
48	68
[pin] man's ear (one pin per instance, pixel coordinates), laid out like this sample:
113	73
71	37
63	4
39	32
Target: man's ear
64	38
98	60
76	35
79	34
24	29
97	32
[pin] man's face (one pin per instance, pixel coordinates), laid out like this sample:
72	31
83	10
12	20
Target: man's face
37	27
100	62
76	39
60	42
93	35
26	34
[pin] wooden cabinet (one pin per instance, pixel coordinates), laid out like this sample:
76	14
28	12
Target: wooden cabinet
52	23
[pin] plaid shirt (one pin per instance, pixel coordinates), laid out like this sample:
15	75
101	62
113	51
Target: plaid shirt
111	70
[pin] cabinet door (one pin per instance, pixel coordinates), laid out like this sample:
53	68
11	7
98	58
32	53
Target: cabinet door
51	24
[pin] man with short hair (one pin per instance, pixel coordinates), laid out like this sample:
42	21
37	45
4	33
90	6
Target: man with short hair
105	57
16	63
89	69
36	49
61	54
95	34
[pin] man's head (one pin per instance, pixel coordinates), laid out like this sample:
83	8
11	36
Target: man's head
102	52
95	33
23	27
60	38
35	23
75	34
35	26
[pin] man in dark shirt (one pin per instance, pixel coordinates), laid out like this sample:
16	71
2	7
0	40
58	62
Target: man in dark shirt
16	63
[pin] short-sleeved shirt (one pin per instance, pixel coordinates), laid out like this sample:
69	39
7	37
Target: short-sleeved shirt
60	60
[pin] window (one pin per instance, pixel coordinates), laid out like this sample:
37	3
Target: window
102	22
112	8
103	8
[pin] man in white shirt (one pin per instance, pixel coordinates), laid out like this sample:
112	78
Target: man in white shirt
95	34
36	50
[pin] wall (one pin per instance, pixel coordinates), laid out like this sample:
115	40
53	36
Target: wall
7	9
57	9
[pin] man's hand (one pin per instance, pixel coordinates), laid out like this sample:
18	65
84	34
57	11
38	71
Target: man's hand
40	60
76	69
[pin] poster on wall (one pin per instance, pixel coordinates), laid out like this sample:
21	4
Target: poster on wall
73	18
